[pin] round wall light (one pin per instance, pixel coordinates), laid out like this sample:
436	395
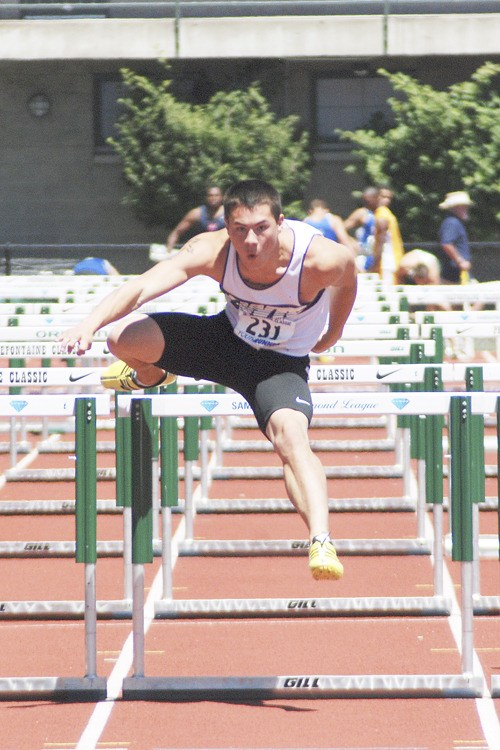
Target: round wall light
39	105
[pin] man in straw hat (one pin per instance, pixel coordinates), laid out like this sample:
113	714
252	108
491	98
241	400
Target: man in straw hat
455	254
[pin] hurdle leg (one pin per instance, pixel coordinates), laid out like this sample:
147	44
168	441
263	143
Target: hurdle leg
86	537
167	572
462	526
142	522
220	434
13	441
189	498
127	554
437	515
169	453
421	499
155	468
406	464
476	571
138	620
433	462
467	577
204	462
90	620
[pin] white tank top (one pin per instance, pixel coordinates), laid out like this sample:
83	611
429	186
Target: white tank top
273	317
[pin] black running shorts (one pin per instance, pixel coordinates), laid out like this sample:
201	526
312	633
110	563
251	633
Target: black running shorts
205	348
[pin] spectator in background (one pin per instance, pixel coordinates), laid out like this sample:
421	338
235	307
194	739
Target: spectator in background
205	218
421	268
330	225
418	267
362	222
388	247
454	251
95	266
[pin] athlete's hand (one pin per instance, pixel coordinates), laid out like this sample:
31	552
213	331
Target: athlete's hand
325	341
77	339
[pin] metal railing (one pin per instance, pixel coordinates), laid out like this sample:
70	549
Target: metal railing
30	259
239	8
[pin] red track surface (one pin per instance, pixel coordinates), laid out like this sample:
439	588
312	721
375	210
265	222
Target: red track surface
245	647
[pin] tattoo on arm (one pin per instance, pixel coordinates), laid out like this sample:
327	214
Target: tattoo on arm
189	248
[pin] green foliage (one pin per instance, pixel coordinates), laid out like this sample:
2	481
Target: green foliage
440	141
171	151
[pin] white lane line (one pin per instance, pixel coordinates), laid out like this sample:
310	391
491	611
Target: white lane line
102	711
488	717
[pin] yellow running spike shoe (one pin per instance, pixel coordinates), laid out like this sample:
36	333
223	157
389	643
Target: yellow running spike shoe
120	377
323	561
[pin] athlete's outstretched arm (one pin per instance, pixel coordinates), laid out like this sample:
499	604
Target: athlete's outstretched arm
196	257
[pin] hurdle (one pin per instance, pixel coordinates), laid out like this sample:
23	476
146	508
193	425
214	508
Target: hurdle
57	405
91	687
415	605
298	547
466	684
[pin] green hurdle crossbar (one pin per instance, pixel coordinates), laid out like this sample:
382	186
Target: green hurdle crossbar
123	484
461	478
155	458
191	452
142	516
86	482
462	527
142	484
433	461
474	382
86	531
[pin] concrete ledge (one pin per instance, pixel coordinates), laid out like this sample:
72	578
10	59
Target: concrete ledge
87	39
297	37
257	37
469	34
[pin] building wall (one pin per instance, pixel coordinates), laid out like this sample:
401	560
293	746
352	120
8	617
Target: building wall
55	188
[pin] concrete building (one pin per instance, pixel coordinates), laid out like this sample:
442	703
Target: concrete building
59	80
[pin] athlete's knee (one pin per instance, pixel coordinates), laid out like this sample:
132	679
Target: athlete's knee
287	430
137	337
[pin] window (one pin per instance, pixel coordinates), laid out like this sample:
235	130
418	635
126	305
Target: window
350	103
107	109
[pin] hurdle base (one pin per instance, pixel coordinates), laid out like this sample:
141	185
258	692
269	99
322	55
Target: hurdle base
495	686
63	610
177	689
436	606
282	505
486	605
299	547
53	688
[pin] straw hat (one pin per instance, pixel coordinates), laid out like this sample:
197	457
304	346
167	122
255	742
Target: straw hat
459	198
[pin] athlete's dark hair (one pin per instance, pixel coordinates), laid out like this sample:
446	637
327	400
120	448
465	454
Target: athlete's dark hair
251	193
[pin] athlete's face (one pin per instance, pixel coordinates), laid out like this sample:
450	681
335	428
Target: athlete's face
254	233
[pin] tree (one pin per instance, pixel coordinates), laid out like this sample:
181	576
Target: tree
171	150
440	141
